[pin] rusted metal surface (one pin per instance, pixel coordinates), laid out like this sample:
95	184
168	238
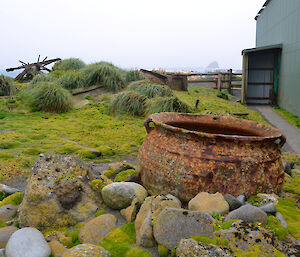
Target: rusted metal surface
184	154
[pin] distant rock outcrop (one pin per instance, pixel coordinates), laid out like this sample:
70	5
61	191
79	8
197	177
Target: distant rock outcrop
213	65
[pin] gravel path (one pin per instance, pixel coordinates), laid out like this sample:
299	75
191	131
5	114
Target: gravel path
291	132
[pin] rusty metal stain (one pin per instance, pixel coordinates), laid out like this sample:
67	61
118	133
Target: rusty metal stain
238	157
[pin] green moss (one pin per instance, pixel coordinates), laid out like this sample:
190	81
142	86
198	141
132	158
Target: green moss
258	250
97	185
2	224
87	154
137	252
288	208
117	242
110	173
210	240
33	151
275	226
223	225
163	251
79	225
292	185
74	235
291	118
100	212
2	196
122	176
14	199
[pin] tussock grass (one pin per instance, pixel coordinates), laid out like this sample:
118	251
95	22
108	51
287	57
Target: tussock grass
168	104
129	102
69	64
42	77
149	89
50	97
71	80
104	74
134	75
6	86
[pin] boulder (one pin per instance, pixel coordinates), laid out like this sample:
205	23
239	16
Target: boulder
27	242
172	225
57	249
268	208
244	235
209	203
86	250
131	211
192	248
8	190
58	194
119	195
7	212
232	202
242	199
5	234
96	229
282	220
121	166
248	213
151	207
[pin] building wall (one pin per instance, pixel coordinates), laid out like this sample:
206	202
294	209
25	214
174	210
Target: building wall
279	23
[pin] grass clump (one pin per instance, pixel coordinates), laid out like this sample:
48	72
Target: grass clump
14	199
123	175
291	118
69	64
129	102
291	185
97	185
275	226
99	213
168	104
71	80
163	251
6	86
42	77
50	97
134	75
137	252
110	173
149	89
210	240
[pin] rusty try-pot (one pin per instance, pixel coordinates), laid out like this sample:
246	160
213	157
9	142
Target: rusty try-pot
184	154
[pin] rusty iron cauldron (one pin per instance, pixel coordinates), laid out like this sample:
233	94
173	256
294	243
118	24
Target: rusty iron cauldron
184	154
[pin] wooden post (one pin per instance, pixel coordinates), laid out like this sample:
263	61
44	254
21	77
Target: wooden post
219	81
229	81
245	78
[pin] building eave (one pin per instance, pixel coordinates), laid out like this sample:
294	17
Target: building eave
263	48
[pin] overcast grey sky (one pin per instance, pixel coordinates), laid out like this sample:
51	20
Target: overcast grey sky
132	33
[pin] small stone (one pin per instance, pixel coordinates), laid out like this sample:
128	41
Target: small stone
86	250
96	229
27	242
119	195
233	202
192	248
131	211
248	213
242	199
288	166
172	224
57	249
151	207
121	166
268	197
5	234
268	208
209	203
7	212
282	220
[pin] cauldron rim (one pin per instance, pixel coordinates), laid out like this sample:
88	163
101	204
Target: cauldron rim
160	120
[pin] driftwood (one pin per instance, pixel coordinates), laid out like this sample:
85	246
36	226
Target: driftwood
32	69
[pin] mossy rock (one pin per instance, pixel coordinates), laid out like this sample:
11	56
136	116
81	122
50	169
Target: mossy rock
218	225
163	251
14	199
110	173
137	252
97	185
258	250
122	176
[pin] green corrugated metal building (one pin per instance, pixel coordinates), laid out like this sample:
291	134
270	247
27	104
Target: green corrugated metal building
272	69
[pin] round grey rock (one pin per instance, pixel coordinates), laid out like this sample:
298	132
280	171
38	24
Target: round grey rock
282	220
233	202
268	208
248	213
242	199
119	195
27	242
172	224
7	212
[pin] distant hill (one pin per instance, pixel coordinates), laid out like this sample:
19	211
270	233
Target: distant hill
213	65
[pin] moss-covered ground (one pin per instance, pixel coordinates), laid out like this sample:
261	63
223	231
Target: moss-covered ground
25	133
